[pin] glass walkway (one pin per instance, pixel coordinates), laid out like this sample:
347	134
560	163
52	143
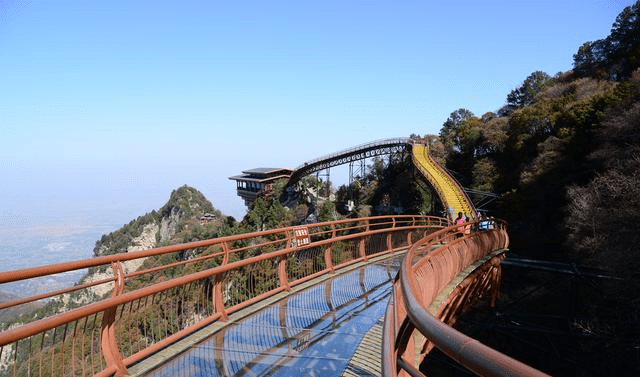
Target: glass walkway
314	332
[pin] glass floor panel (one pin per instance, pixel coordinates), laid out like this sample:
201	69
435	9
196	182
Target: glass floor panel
314	332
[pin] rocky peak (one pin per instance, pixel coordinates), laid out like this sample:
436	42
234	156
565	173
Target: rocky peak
185	204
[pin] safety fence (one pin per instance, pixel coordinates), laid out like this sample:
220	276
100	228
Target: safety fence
282	338
440	276
134	304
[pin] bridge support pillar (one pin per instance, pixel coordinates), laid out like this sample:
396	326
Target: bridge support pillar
357	172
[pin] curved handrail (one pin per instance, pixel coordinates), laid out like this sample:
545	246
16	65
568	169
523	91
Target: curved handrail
215	278
408	310
27	273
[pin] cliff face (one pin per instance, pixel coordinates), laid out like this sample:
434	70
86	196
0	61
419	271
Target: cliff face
179	220
186	205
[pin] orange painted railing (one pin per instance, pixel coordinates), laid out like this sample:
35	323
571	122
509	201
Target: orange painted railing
139	302
427	300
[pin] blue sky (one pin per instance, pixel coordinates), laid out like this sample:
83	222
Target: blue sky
110	105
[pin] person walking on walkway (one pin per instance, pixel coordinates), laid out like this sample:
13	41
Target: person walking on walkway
460	220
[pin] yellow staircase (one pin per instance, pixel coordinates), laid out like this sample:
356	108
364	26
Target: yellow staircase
448	189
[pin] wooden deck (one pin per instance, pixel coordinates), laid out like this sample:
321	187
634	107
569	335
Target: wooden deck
367	360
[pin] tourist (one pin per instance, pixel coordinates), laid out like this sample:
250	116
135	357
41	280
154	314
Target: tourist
460	220
484	224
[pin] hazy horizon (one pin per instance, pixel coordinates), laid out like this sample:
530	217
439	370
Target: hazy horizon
105	108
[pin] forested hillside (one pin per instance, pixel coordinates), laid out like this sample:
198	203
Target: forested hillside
563	155
556	137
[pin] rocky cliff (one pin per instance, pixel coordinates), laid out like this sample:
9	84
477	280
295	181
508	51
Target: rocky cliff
187	216
185	206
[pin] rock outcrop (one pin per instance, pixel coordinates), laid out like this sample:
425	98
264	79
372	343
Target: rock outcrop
158	228
185	208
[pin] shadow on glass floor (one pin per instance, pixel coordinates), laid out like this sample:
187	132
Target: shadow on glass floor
311	333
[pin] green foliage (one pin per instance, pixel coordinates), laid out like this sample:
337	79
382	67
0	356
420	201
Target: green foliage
525	94
485	174
118	241
189	202
604	212
616	56
395	190
539	144
327	211
603	230
451	133
376	169
494	134
267	212
185	206
426	203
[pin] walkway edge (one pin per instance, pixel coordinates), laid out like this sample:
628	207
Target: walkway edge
366	361
150	363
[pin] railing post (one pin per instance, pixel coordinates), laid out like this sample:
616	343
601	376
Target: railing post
328	252
108	339
362	252
282	262
282	272
328	261
218	292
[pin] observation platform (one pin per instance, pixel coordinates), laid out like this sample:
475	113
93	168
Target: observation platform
325	327
253	181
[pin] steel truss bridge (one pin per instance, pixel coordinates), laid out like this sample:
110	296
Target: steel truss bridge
451	194
160	298
360	152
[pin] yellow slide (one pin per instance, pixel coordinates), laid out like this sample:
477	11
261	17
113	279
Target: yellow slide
453	197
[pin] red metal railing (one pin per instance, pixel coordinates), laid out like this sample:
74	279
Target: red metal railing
139	302
425	302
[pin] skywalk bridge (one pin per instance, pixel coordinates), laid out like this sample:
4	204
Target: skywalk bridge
452	195
360	152
327	327
203	296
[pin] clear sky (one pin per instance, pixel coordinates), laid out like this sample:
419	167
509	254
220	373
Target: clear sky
113	104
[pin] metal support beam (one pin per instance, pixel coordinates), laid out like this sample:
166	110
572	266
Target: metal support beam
357	172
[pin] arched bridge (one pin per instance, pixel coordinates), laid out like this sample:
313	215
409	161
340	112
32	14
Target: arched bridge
451	194
158	299
360	152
